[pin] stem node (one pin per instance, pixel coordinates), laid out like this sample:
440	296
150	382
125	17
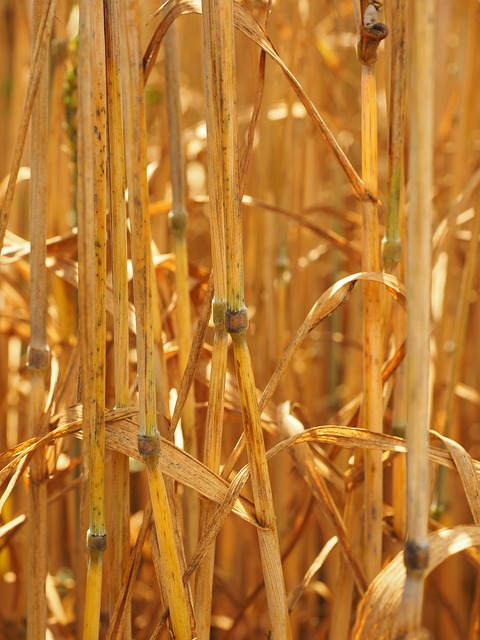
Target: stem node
391	250
149	445
370	38
236	321
219	310
416	556
178	219
96	541
38	358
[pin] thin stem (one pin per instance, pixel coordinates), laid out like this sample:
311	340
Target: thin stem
372	334
149	439
38	356
94	316
392	242
419	252
120	465
214	420
179	223
236	321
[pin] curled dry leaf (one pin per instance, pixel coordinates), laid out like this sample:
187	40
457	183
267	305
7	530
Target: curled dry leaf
296	593
466	470
121	435
329	301
378	610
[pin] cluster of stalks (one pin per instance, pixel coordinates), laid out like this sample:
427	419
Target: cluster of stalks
220	434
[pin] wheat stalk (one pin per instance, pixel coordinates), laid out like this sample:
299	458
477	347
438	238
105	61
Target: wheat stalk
120	465
419	251
38	355
149	439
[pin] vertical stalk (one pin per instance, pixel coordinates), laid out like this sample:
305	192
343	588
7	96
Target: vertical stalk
211	458
393	260
39	61
461	321
92	263
236	322
449	364
372	32
418	319
392	242
120	466
38	354
149	439
179	223
214	421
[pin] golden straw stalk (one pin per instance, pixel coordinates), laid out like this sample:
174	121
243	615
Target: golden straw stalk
38	356
149	438
419	268
222	30
371	33
92	283
179	223
120	465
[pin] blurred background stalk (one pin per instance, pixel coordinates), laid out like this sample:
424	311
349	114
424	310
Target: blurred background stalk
179	224
38	357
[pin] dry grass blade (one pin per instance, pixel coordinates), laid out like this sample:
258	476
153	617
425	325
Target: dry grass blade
306	463
316	565
466	472
378	610
248	25
328	302
121	430
338	241
195	351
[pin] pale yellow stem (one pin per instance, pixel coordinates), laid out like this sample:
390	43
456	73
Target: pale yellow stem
372	331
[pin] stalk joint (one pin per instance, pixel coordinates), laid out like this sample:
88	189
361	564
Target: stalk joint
391	250
372	32
96	541
219	309
416	556
38	358
236	321
149	445
178	220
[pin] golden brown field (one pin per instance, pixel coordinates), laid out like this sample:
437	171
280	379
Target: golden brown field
239	310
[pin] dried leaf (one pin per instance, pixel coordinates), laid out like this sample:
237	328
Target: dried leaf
378	610
172	9
329	301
